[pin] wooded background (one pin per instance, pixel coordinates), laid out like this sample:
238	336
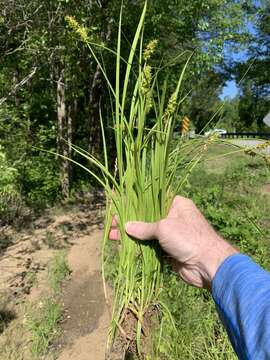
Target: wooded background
51	89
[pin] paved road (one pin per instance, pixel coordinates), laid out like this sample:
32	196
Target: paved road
251	143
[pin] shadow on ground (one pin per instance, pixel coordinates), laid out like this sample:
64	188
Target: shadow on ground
6	316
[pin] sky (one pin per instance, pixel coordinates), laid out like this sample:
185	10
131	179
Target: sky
230	90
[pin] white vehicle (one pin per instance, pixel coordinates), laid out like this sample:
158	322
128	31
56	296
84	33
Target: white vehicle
215	131
266	119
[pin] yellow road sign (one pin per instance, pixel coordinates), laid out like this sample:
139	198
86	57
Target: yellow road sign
185	125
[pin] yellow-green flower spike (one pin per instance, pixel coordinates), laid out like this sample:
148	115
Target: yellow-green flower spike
146	81
172	104
79	29
150	49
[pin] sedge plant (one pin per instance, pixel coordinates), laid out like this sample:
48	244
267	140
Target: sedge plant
142	185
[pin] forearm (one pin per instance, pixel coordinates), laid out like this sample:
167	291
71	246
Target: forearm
241	291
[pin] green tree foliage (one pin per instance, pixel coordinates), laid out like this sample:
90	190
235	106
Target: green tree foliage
229	118
10	198
254	101
201	108
51	89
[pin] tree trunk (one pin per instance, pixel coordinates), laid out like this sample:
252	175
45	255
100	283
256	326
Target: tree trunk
15	82
96	90
72	110
63	144
94	121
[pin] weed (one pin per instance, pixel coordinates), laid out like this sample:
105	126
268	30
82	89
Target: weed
43	318
43	325
199	333
58	270
14	341
140	188
50	240
65	228
31	277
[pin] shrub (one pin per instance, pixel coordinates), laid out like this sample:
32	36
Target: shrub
11	203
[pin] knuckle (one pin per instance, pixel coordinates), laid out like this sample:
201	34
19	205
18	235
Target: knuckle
161	225
184	200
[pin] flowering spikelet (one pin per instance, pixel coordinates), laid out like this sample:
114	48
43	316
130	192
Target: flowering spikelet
263	145
146	86
149	103
79	29
146	79
149	50
172	104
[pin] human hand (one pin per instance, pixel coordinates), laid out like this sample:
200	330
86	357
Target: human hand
188	238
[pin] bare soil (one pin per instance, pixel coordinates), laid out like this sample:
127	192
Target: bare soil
24	279
266	189
85	326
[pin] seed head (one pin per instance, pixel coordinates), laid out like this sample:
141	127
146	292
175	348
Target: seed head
172	104
146	79
146	86
79	29
263	145
149	50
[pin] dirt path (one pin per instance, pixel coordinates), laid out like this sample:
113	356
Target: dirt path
24	268
86	321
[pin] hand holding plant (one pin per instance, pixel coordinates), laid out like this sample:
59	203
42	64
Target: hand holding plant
185	235
145	178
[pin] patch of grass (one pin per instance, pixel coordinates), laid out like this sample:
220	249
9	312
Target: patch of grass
222	156
43	325
235	205
31	277
43	318
14	341
58	270
199	333
65	228
50	240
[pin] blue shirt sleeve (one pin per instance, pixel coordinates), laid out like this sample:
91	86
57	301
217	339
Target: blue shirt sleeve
241	291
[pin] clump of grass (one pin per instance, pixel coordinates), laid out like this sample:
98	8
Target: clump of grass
43	325
50	240
31	277
43	317
58	271
199	333
142	185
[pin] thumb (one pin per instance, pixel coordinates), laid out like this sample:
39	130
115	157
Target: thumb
141	230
